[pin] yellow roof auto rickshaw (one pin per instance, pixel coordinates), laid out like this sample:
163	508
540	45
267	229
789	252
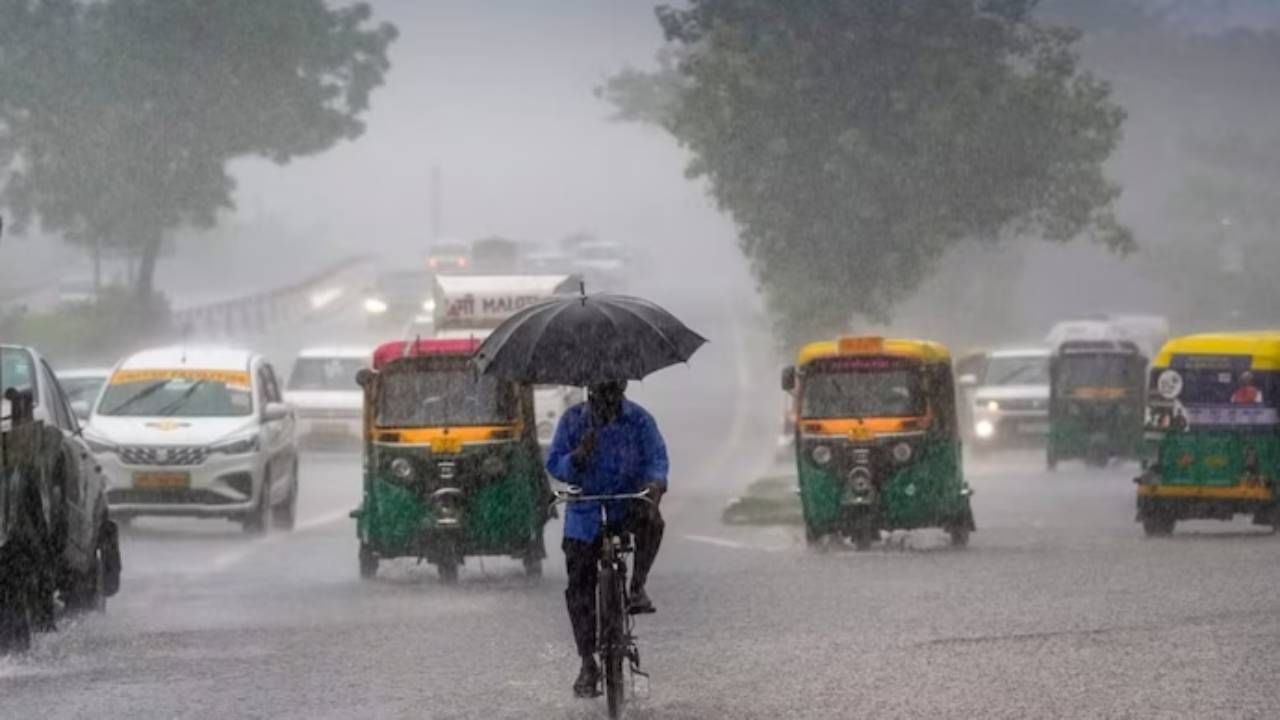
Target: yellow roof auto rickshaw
877	444
1212	448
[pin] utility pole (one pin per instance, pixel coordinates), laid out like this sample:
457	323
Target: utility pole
437	221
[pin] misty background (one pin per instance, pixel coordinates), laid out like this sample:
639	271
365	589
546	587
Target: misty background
500	97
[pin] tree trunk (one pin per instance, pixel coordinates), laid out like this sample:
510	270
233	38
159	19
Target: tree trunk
147	266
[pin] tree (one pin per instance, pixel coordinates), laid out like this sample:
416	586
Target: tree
118	118
854	142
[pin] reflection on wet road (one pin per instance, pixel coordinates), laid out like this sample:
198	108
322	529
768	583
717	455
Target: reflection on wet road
1059	608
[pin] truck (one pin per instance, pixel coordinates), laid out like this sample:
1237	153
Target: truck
471	306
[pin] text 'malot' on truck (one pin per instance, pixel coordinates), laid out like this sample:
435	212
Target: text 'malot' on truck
471	306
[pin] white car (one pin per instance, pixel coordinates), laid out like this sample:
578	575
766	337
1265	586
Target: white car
324	395
1011	399
197	433
82	387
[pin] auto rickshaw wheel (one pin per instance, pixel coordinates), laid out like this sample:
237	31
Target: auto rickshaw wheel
1158	525
447	568
863	533
812	537
532	567
959	536
1051	459
15	616
368	562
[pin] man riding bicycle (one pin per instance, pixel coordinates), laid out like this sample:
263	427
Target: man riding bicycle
606	446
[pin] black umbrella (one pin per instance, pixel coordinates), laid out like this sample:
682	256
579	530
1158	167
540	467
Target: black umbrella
586	339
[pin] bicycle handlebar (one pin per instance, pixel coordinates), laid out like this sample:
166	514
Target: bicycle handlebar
569	497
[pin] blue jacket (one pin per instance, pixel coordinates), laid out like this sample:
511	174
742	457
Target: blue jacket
629	454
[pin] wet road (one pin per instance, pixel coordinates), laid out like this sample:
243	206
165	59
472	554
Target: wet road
1059	608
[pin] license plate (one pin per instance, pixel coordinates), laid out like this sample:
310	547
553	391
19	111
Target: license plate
161	481
1033	428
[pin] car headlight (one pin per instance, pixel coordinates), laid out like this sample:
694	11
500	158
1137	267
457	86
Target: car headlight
902	452
402	468
821	454
984	429
98	446
429	305
240	446
374	306
993	406
493	466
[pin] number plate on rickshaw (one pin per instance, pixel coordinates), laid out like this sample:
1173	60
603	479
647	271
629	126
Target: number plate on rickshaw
446	446
161	480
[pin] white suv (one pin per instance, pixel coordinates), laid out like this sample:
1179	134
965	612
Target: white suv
198	433
1010	399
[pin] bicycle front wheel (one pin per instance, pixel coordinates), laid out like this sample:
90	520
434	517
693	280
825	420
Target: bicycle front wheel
613	638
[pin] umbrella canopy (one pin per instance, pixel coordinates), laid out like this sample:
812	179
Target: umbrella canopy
586	339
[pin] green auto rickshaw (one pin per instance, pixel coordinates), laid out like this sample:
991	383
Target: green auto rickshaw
877	443
1212	447
1097	397
452	467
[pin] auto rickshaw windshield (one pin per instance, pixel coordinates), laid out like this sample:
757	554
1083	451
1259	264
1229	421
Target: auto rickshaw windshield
863	393
1100	371
443	397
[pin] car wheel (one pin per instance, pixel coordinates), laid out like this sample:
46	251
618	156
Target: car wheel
15	616
285	515
89	589
258	521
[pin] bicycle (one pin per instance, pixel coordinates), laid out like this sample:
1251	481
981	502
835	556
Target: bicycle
615	641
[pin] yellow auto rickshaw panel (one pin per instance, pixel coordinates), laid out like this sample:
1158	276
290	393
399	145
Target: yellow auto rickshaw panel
1263	347
865	428
926	351
445	440
1255	492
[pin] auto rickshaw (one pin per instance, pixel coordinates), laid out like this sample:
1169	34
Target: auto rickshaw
1097	394
1212	442
452	467
877	444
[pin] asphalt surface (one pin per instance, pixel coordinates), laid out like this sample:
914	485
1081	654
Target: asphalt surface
1059	607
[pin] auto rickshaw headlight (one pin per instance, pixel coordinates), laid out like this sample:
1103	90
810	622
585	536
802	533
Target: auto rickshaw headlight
984	429
860	481
493	466
402	468
821	454
902	452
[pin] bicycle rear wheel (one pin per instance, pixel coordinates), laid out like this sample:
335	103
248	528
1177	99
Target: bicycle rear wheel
613	639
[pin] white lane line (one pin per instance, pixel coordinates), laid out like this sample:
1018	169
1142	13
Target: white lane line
735	545
232	558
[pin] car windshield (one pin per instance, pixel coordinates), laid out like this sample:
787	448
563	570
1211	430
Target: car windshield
82	389
177	394
873	393
326	373
1017	370
17	370
1103	371
441	398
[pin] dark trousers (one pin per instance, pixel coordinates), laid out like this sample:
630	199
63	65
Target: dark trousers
580	562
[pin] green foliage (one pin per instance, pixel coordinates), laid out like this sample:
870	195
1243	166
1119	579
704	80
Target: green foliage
118	118
854	142
1224	257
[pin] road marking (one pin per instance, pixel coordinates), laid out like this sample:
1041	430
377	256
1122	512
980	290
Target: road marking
734	544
